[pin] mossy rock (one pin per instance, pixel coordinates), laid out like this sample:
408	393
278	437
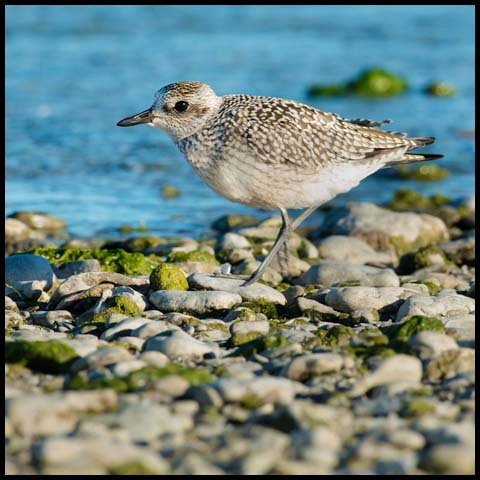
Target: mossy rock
261	306
336	335
140	379
42	356
399	333
229	222
440	89
131	228
423	173
405	199
169	191
241	338
141	244
168	276
376	82
115	260
417	407
423	257
328	90
132	468
259	344
117	304
193	256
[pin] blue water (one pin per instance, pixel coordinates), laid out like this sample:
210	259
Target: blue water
73	71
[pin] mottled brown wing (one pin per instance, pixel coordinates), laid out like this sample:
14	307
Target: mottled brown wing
282	131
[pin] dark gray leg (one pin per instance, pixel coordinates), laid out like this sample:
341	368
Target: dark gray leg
285	230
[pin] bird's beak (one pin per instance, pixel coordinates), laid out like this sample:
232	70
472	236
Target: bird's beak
142	117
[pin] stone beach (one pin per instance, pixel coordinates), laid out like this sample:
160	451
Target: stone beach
354	355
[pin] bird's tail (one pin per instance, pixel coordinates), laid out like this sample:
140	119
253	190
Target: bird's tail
416	142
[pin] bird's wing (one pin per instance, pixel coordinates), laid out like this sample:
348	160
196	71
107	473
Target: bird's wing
282	131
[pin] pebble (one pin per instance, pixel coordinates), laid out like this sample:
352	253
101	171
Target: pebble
427	344
179	345
193	302
28	268
449	363
68	269
254	292
353	250
328	273
124	327
310	365
435	306
450	459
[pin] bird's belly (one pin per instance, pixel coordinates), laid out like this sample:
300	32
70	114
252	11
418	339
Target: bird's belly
270	186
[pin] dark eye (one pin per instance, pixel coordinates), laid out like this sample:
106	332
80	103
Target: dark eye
181	106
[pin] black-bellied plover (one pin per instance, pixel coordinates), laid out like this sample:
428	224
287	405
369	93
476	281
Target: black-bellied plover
272	153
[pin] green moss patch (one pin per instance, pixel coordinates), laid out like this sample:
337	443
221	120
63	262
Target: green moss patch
405	199
47	357
168	277
440	89
169	191
337	335
229	222
423	257
193	256
140	379
132	468
422	173
241	338
259	344
115	260
262	306
417	407
117	304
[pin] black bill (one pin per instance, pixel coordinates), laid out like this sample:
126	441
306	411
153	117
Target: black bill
142	117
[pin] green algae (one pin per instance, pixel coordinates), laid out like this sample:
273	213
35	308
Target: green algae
327	90
141	244
168	277
433	288
229	222
169	191
259	344
417	407
423	257
131	228
132	468
42	356
193	256
112	260
405	199
337	335
440	89
262	306
241	338
139	379
117	304
422	173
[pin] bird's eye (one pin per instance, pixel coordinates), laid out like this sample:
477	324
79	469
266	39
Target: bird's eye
181	106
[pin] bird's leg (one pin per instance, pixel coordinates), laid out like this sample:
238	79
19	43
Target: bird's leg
284	257
285	230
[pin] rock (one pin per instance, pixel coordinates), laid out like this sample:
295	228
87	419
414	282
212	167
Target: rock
353	250
391	369
254	292
96	454
256	390
231	241
11	305
245	327
318	311
179	345
154	359
461	251
460	327
290	267
52	319
429	344
384	229
351	299
152	328
124	327
27	268
421	258
16	230
440	305
119	300
168	276
449	363
327	273
55	413
450	459
194	302
108	355
67	269
84	281
123	368
39	221
250	265
314	364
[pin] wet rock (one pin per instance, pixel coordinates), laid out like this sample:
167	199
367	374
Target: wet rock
254	292
328	273
353	250
440	305
193	302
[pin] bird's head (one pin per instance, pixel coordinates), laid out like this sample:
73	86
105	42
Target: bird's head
179	109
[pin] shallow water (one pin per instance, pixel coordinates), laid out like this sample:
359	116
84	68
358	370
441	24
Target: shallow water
73	71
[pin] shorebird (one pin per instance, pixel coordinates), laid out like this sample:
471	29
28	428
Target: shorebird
272	153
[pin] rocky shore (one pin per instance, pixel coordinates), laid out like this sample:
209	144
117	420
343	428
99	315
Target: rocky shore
354	355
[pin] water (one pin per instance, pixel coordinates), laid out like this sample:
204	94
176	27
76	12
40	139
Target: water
73	71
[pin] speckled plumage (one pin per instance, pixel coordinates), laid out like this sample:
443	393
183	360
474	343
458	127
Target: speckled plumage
273	153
